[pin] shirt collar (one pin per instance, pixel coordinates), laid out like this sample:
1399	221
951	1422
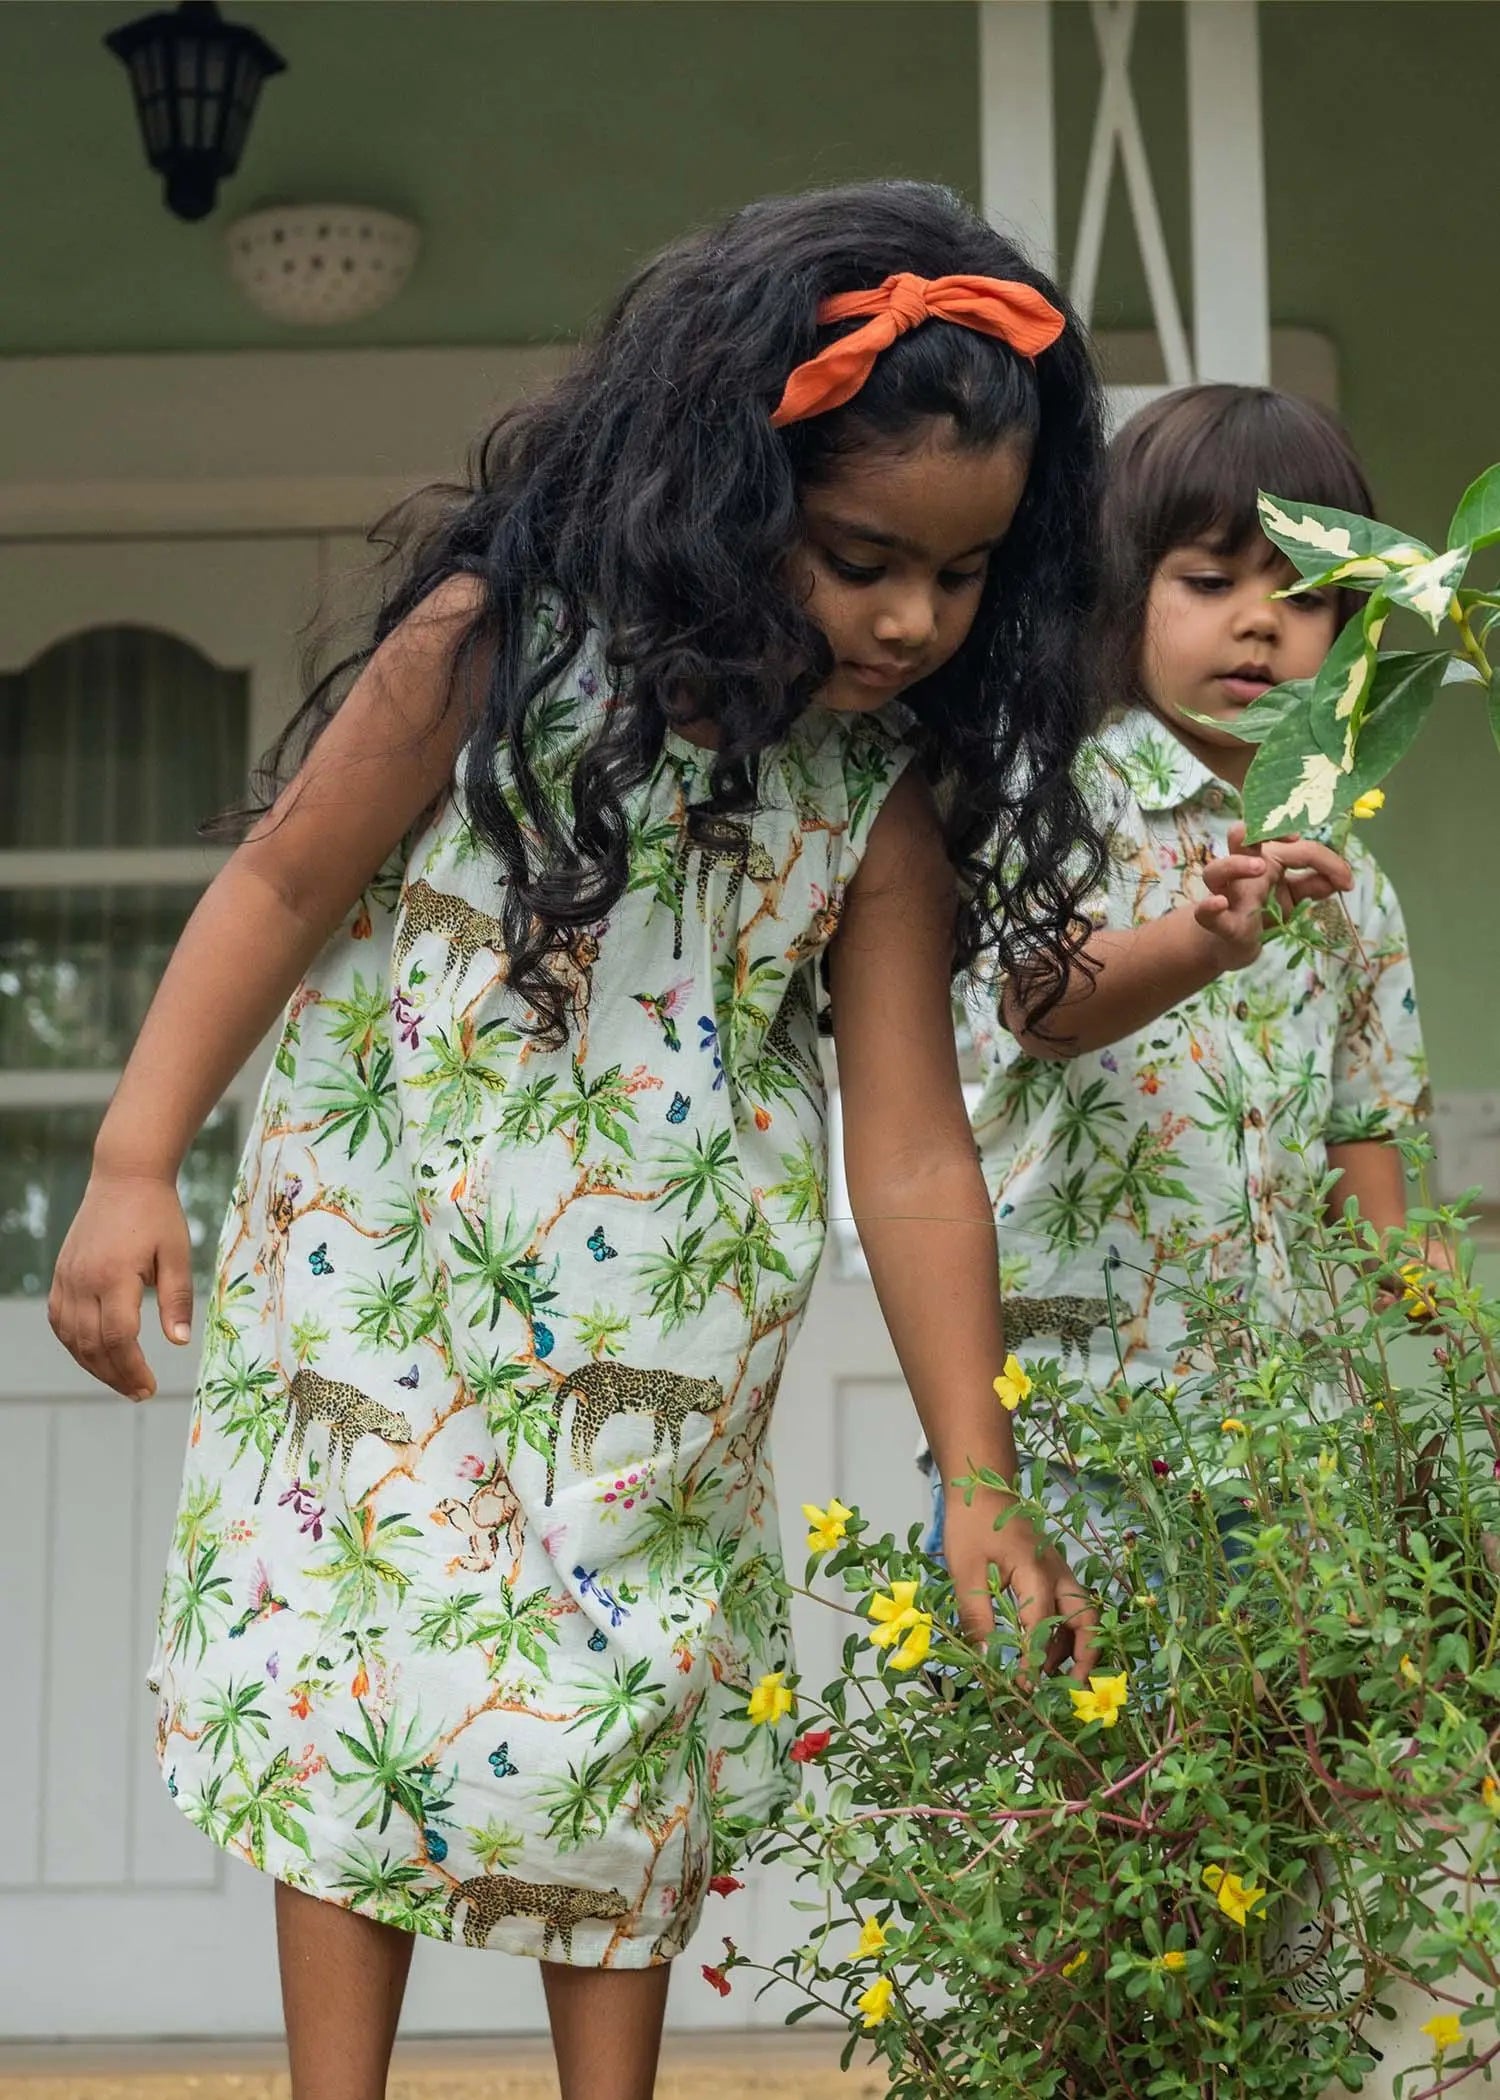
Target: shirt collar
1161	773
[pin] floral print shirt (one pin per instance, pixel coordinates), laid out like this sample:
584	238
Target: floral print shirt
1207	1130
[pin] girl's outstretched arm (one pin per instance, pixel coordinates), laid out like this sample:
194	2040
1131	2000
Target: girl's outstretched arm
386	755
1128	977
923	1210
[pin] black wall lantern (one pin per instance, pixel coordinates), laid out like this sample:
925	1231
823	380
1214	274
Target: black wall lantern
195	78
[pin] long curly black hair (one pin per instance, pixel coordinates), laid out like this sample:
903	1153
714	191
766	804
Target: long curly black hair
647	496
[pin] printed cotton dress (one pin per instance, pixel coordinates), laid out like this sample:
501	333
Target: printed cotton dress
476	1561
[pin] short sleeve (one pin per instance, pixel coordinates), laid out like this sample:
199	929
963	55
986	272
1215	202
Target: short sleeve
1379	1064
873	757
1128	849
1111	902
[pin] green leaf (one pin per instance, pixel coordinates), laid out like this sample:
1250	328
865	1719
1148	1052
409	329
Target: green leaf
1336	699
1292	785
1476	522
1258	720
1428	587
1335	546
1404	687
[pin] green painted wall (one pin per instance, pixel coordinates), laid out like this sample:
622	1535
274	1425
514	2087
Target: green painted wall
1379	120
546	145
1379	132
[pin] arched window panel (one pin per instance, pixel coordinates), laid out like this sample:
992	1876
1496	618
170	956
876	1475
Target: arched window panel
118	737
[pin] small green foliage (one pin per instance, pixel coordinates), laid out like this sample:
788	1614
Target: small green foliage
1207	1890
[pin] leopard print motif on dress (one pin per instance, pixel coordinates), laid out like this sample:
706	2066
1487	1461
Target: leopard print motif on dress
465	929
1072	1320
603	1390
349	1413
468	932
491	1897
719	842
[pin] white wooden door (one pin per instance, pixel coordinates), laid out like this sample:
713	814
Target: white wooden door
135	678
100	1877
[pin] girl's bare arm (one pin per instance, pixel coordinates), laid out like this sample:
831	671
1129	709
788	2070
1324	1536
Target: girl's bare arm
386	755
920	1201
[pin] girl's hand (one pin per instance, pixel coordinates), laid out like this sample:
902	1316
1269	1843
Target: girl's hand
1032	1569
129	1233
1242	885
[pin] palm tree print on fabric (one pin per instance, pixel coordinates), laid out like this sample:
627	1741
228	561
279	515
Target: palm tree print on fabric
1208	1129
402	1671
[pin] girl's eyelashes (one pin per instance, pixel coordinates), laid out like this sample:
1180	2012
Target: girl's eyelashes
1209	581
850	571
858	573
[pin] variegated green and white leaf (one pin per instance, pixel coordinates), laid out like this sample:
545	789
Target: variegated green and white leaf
1403	689
1292	785
1476	522
1430	586
1257	721
1336	546
1337	696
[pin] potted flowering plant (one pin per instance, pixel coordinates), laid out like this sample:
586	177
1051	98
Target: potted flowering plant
1258	1854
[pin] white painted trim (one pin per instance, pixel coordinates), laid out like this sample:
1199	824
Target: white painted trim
1117	121
1227	189
115	867
49	1087
1017	154
243	441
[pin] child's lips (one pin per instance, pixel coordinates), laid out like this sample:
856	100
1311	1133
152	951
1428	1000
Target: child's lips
1245	686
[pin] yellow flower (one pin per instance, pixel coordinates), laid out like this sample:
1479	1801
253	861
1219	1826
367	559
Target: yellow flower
1232	1426
875	2003
871	1941
891	1616
913	1649
1102	1701
1080	1961
828	1525
1174	1959
1012	1386
1366	805
1409	1670
1237	1899
1490	1794
1328	1463
1417	1295
771	1701
1445	2029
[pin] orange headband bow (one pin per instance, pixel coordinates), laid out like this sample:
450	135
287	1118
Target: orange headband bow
1016	313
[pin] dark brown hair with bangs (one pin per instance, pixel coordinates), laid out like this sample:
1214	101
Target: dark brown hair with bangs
1185	471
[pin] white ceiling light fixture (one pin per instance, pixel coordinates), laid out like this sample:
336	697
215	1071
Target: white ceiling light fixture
315	265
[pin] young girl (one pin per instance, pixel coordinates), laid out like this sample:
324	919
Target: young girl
1194	1096
472	1621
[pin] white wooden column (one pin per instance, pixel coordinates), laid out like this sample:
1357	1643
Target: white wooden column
1226	158
1017	155
1226	334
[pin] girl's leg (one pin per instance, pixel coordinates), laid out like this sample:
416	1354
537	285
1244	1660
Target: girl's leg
606	2029
342	1981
